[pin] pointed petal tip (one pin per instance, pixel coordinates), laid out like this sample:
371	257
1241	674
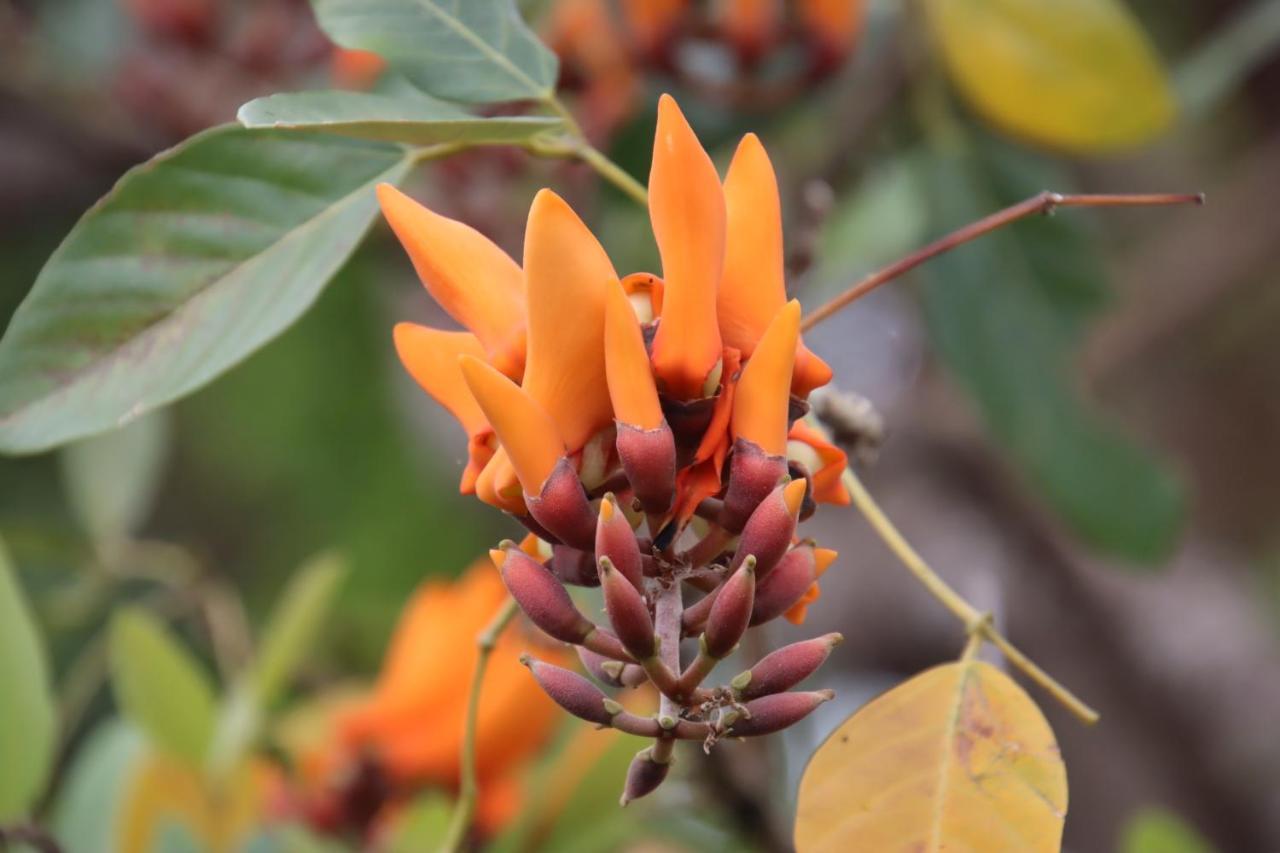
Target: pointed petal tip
793	495
822	559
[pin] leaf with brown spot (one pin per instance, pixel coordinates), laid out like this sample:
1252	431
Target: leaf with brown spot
957	758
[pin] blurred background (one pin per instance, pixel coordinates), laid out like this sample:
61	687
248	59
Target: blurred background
1079	414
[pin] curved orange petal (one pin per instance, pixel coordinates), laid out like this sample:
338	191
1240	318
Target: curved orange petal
631	387
753	287
825	461
761	402
527	433
472	279
494	484
686	207
568	275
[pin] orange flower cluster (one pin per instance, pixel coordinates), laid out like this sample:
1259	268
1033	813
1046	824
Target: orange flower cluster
672	400
376	750
606	48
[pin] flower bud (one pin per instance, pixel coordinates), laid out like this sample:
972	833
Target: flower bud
643	776
770	714
628	612
785	668
540	595
753	474
562	508
768	532
572	692
648	458
731	611
608	671
616	540
789	581
573	566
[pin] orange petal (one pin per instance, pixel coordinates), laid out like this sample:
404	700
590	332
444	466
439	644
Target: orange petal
686	207
754	286
431	358
472	279
651	22
631	387
492	484
750	24
825	462
526	431
762	399
568	276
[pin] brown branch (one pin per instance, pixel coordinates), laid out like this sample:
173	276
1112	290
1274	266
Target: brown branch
1043	203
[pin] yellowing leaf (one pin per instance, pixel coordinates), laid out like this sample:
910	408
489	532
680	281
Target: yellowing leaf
1079	75
957	758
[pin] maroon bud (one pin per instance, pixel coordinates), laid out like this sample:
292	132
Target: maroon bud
785	585
540	595
628	612
694	618
562	508
753	474
608	671
731	611
649	460
770	714
769	530
572	692
616	540
573	566
785	668
643	776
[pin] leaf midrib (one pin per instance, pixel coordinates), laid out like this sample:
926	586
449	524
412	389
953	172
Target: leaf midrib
496	56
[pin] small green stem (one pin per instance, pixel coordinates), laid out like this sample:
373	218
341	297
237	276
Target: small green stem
460	821
592	156
976	623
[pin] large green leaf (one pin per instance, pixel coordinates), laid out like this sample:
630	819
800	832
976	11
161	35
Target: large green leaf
478	51
160	687
87	813
1004	312
401	117
295	624
27	715
192	262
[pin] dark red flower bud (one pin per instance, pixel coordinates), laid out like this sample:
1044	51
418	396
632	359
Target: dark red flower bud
731	611
649	460
785	668
770	714
573	692
789	581
562	508
753	474
616	540
573	566
628	612
644	776
540	595
608	671
768	533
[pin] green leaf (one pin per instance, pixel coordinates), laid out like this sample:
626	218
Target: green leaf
1080	75
112	478
29	719
1004	312
86	815
192	262
295	624
478	51
160	687
1159	831
403	117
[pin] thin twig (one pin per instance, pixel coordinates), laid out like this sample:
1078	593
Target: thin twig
975	622
468	791
1043	203
581	148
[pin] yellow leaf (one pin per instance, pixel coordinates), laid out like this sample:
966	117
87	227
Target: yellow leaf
958	758
1074	74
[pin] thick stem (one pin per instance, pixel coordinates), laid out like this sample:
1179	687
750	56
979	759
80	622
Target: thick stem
1045	202
975	622
468	790
666	622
